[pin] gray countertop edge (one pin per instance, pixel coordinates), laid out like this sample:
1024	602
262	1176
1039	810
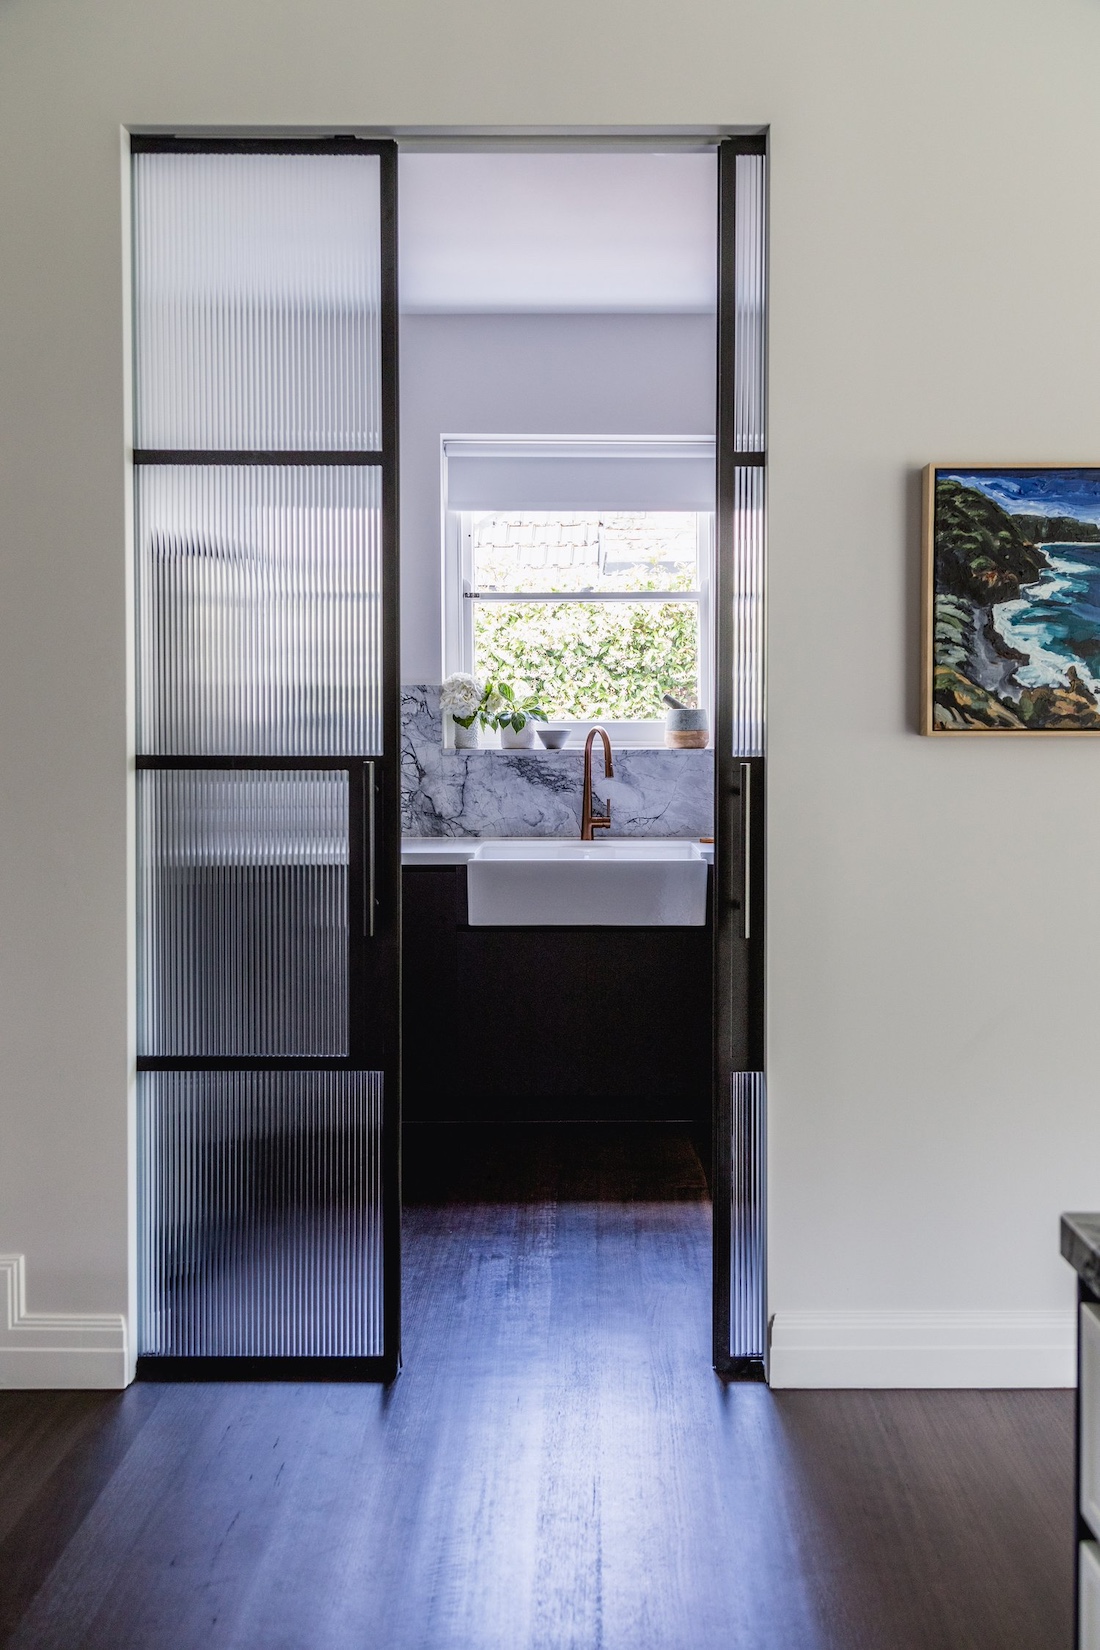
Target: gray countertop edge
458	850
1081	1247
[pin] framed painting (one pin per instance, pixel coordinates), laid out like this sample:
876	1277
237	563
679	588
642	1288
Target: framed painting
1011	637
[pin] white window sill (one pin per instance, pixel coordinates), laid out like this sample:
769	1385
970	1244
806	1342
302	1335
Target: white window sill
624	736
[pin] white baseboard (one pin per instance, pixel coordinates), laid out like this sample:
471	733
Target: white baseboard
923	1349
56	1349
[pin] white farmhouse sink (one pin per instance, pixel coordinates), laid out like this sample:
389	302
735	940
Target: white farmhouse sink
623	884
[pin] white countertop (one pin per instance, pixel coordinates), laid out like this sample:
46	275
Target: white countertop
459	850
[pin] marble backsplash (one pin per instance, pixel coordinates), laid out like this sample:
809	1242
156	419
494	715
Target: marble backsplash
538	793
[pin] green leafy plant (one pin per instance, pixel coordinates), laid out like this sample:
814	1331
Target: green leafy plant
503	708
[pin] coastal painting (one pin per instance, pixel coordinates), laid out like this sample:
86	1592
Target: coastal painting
1011	600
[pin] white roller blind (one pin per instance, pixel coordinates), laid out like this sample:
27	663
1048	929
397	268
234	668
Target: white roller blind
580	475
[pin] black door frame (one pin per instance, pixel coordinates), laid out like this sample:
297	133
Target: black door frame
739	804
374	798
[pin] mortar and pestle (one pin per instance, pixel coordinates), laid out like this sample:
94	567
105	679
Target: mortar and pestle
685	726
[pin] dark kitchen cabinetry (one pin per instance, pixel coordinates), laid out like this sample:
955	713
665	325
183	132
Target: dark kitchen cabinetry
533	1023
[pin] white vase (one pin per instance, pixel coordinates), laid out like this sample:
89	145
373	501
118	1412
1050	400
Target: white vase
465	738
524	740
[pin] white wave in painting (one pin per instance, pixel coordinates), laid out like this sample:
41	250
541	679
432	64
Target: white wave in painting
1056	621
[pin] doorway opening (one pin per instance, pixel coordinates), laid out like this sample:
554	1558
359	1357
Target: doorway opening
560	355
579	539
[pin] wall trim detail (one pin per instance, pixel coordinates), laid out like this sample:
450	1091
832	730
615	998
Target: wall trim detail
923	1349
56	1349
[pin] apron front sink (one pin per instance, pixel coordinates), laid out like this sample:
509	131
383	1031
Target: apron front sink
559	884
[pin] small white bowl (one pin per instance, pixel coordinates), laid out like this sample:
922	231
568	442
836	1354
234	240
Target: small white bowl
554	738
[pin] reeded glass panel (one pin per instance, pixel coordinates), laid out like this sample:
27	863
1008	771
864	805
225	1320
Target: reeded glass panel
259	610
260	1224
748	1294
256	301
750	293
243	913
747	584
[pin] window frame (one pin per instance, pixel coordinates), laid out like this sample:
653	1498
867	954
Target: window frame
459	596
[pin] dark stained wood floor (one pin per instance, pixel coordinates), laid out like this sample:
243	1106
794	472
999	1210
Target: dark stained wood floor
557	1468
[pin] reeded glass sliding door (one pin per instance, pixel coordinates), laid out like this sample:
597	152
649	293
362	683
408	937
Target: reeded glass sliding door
267	757
739	1154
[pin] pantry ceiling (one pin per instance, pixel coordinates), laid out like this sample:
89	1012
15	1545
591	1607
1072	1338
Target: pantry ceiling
522	233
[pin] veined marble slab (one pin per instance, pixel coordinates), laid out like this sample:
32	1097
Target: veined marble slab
662	793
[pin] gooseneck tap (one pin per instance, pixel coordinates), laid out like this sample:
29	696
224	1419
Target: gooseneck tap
590	821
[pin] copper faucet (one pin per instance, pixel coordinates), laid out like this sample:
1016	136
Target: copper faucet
589	821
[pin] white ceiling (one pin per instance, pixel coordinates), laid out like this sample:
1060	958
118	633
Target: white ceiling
573	232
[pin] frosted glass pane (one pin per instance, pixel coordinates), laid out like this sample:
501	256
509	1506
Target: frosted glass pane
260	1224
749	305
259	610
257	282
748	1295
747	583
243	913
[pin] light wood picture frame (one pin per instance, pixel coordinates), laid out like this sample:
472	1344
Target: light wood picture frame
1010	622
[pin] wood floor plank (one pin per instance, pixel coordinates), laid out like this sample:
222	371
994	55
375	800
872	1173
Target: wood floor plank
557	1468
36	1439
936	1518
69	1446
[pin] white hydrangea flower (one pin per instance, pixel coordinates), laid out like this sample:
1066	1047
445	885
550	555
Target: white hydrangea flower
462	695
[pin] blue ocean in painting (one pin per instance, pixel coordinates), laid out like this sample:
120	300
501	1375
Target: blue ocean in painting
1056	621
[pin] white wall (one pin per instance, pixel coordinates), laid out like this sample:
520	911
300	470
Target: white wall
933	910
529	375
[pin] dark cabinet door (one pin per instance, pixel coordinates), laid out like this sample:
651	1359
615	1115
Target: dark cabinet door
550	1023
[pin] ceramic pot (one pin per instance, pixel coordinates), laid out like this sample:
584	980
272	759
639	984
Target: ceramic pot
524	740
466	739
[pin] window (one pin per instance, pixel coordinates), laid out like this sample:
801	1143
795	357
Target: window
598	611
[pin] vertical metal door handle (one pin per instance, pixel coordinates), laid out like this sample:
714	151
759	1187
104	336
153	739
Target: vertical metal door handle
368	851
746	848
